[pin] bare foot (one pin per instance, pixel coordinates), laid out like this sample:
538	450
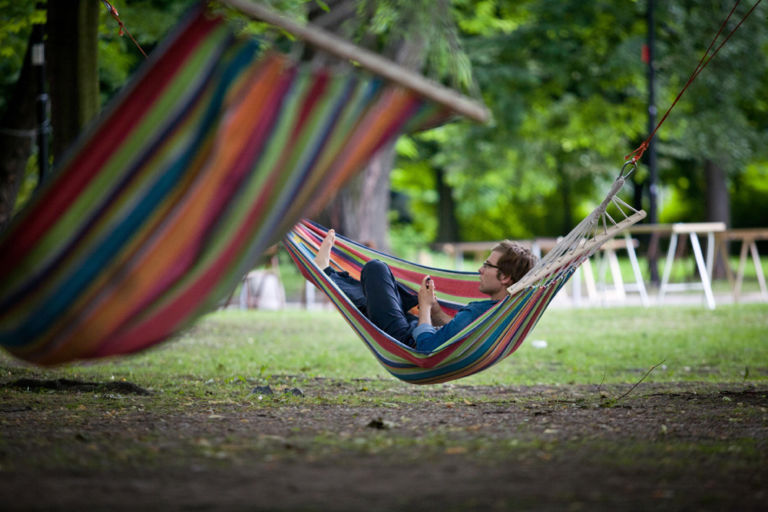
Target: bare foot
323	257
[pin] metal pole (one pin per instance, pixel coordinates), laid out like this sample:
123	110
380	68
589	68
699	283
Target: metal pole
43	129
653	217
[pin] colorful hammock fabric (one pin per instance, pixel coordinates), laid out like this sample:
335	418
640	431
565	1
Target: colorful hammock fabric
207	159
490	338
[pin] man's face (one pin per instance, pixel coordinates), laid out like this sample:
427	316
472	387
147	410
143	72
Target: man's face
490	284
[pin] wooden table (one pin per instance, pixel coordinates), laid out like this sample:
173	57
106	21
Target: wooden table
704	267
748	238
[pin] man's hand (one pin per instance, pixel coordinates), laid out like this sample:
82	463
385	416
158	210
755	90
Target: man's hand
427	297
426	300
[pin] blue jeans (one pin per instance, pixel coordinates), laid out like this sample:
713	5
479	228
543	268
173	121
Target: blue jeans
381	298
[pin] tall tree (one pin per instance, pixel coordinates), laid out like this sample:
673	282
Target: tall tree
16	139
71	53
17	122
87	63
567	88
73	29
558	77
418	35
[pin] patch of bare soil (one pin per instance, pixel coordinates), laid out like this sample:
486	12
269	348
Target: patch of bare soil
370	446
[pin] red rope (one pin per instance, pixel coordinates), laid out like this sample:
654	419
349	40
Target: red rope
638	153
111	9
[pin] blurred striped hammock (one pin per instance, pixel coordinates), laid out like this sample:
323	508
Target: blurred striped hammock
491	337
209	157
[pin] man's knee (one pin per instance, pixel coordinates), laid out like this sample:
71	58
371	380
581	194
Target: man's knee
374	269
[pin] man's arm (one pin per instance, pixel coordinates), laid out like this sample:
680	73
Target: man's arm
428	338
439	317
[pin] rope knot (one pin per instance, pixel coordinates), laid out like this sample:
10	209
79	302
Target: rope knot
637	154
113	12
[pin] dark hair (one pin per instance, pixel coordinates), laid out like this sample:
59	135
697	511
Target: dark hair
515	260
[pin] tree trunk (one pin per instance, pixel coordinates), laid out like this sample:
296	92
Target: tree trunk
16	139
447	224
74	74
365	202
718	206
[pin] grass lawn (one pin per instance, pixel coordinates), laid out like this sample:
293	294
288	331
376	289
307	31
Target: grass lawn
583	346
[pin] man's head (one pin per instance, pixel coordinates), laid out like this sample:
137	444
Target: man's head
507	264
514	260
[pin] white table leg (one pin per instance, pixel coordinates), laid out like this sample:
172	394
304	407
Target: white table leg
758	269
618	281
703	270
636	270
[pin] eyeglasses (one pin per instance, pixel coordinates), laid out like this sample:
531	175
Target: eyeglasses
486	264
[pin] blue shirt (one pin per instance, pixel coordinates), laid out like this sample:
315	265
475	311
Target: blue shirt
428	338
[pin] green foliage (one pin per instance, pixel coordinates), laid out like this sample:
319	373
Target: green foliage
565	84
28	185
723	115
564	103
750	196
413	33
568	93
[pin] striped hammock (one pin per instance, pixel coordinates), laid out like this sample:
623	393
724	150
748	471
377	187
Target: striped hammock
209	157
491	337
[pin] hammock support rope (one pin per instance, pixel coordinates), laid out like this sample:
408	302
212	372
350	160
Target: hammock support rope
706	58
494	335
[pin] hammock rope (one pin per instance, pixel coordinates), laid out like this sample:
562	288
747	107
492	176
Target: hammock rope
494	335
113	12
706	58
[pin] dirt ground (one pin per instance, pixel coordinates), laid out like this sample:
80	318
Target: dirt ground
376	445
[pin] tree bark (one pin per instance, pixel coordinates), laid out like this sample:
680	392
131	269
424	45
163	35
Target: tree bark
718	206
365	202
447	224
72	48
16	139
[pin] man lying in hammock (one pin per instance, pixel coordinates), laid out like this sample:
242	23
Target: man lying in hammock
387	303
